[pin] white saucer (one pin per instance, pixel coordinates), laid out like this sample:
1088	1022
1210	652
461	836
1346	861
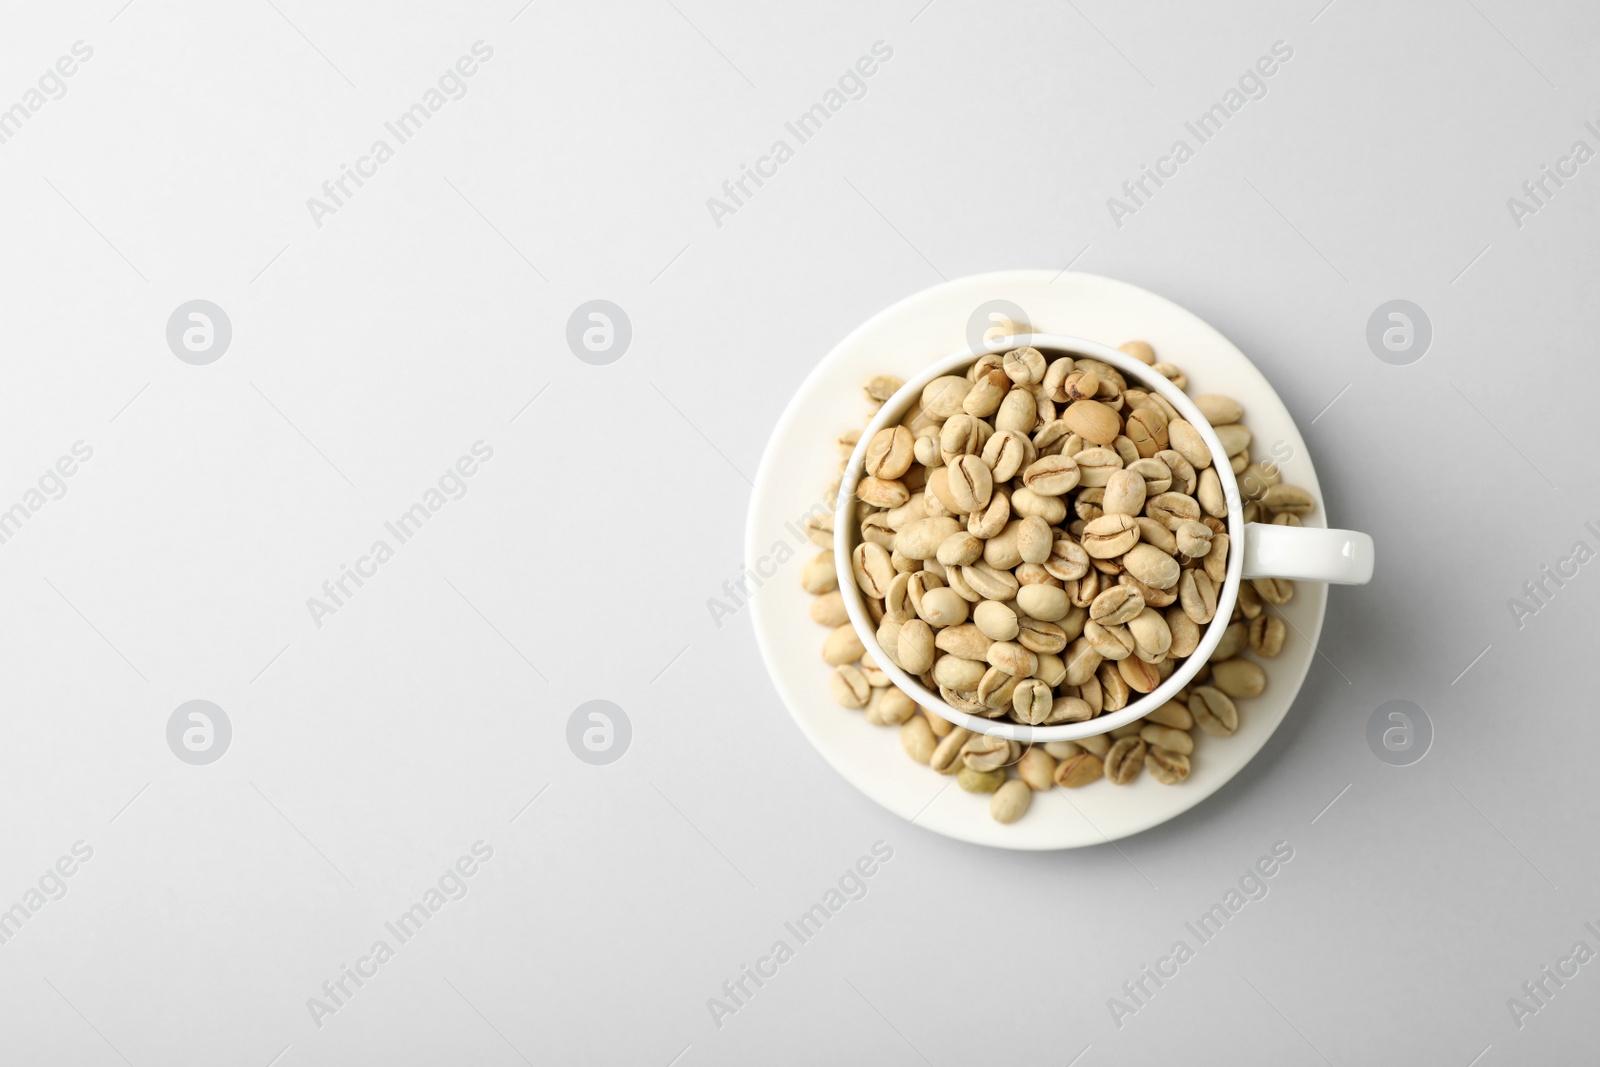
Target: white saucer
801	461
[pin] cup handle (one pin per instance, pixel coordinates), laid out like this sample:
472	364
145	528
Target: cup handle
1343	557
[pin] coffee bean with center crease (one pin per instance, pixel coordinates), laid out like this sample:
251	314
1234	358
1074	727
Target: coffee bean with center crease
1166	766
890	452
1214	711
995	689
1096	466
1267	633
1110	536
1079	770
1147	429
1156	474
1111	642
1032	701
991	519
1193	539
946	757
873	569
990	583
1274	590
1288	498
1068	560
1116	605
1006	453
1125	760
1052	475
1198	596
970	483
983	752
1138	674
1182	472
849	687
962	434
1044	638
1173	509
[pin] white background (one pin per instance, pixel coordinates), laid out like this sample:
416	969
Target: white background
368	354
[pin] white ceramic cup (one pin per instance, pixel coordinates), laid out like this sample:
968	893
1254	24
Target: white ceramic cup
1258	550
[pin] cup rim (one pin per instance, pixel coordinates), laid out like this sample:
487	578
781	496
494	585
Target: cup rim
845	539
